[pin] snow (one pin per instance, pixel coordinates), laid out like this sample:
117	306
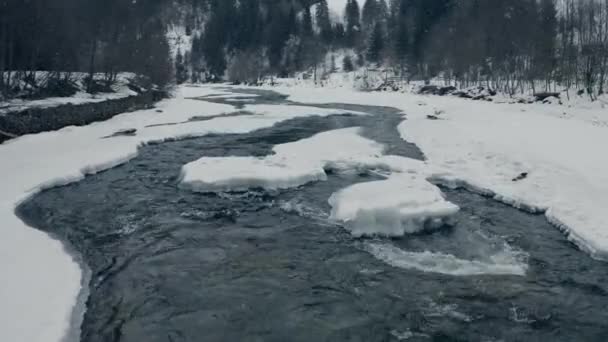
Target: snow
402	204
41	282
292	164
485	146
121	90
488	148
78	98
179	41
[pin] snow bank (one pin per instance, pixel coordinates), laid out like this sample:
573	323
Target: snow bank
539	157
120	88
291	165
402	204
41	282
524	159
507	262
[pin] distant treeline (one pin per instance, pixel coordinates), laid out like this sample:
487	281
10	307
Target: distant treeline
508	45
91	36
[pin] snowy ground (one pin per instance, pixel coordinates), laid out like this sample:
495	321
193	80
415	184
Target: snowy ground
41	282
539	157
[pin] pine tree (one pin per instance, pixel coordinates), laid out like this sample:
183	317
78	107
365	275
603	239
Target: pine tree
339	34
352	18
401	35
347	64
324	22
179	68
376	44
307	30
369	15
217	36
248	25
547	37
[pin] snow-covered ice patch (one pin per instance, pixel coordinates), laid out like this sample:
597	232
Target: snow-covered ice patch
402	204
507	262
292	164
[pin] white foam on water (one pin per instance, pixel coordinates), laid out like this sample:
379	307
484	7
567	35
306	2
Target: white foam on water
507	262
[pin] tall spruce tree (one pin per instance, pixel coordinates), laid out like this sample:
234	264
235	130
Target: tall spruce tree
369	15
352	18
376	44
323	21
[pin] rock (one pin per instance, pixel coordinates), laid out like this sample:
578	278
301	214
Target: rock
43	119
475	93
446	90
436	90
521	177
552	100
128	132
545	95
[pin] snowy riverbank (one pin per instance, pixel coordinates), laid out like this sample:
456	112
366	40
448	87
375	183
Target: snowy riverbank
539	157
41	282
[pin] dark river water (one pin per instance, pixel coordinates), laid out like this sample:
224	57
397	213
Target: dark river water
172	265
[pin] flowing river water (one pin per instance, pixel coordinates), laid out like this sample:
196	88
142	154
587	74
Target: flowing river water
169	264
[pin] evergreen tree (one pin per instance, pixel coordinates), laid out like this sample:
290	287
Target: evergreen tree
382	11
352	18
347	64
277	35
370	14
376	44
181	73
324	22
307	30
248	24
547	38
339	34
401	33
216	38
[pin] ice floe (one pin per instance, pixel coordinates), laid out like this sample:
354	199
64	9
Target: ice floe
292	164
402	204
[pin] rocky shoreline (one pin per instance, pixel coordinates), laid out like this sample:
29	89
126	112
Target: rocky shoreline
36	120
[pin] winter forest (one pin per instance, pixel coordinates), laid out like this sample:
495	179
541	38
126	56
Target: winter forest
508	45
